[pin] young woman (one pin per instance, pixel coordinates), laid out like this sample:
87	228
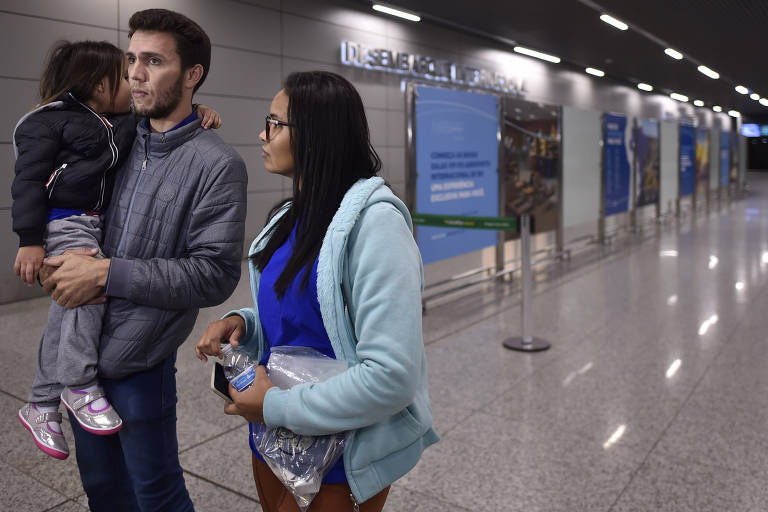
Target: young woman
337	269
68	150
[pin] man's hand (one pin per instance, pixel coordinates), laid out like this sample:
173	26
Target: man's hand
250	402
78	278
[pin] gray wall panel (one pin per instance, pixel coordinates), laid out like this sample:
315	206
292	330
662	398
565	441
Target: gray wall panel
582	134
6	157
242	73
243	118
670	164
227	23
377	121
396	128
337	15
304	38
38	35
24	97
92	12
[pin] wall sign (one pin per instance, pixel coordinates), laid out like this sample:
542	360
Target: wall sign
457	159
402	63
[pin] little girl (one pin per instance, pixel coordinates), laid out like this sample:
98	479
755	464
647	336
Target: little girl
67	153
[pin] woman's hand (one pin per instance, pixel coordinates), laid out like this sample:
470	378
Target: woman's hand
231	328
211	118
29	259
250	402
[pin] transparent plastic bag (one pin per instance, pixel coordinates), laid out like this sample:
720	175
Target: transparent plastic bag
299	462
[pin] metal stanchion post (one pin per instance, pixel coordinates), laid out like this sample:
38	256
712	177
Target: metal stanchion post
526	342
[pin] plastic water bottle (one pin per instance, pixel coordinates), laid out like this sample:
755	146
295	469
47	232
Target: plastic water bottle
238	367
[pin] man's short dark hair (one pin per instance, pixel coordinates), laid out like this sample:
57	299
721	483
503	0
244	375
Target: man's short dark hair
192	43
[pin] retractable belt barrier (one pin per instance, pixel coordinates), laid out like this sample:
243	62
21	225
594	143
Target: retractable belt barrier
525	342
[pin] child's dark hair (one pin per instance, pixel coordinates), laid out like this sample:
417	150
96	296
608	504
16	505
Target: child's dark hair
79	67
192	43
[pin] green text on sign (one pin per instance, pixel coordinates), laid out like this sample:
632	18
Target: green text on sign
458	221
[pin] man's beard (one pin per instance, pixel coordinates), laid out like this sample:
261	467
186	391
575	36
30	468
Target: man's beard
166	103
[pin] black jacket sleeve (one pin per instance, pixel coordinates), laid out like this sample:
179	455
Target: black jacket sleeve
38	146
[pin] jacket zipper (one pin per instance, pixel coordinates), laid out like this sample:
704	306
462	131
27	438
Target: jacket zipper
112	147
124	231
51	183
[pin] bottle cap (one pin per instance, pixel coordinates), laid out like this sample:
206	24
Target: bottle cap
226	348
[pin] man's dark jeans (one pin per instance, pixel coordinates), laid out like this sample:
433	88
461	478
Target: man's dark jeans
138	468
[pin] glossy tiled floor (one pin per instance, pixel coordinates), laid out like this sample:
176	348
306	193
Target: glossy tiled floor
653	397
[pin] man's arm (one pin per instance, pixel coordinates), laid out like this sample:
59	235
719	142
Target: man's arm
206	276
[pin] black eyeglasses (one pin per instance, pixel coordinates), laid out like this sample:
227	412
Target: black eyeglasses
273	122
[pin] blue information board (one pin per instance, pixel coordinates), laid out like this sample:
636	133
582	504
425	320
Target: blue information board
457	161
687	159
617	169
725	158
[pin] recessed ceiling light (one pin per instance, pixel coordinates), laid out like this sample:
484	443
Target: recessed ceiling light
706	71
596	72
734	113
645	87
717	108
764	102
754	96
673	53
538	55
741	89
614	22
678	97
396	12
698	103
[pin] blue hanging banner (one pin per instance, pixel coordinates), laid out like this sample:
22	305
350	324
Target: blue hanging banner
457	161
725	158
687	159
616	165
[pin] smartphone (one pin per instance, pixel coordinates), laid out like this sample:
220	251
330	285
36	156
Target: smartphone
219	382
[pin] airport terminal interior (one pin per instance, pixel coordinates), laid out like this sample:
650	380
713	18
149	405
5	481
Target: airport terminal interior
587	175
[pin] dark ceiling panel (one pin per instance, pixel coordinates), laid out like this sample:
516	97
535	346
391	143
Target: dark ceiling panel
725	35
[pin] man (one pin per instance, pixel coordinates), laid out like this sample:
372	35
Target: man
173	240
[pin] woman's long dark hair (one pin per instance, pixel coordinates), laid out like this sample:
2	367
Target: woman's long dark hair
332	149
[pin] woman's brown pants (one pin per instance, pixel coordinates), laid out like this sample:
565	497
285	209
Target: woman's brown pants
275	497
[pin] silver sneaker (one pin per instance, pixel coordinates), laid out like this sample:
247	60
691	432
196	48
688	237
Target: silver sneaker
102	422
47	439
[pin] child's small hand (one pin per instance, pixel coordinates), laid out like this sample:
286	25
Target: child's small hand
211	118
230	329
29	259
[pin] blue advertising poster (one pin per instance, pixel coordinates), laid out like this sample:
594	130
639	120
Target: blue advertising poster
616	165
647	162
687	159
725	158
457	160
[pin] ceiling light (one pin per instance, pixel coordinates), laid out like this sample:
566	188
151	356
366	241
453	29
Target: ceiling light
717	108
538	55
678	97
734	113
741	89
613	21
706	71
596	72
754	96
764	102
698	103
396	12
645	87
673	53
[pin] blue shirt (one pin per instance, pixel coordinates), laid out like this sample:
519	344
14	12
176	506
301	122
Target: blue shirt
294	320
